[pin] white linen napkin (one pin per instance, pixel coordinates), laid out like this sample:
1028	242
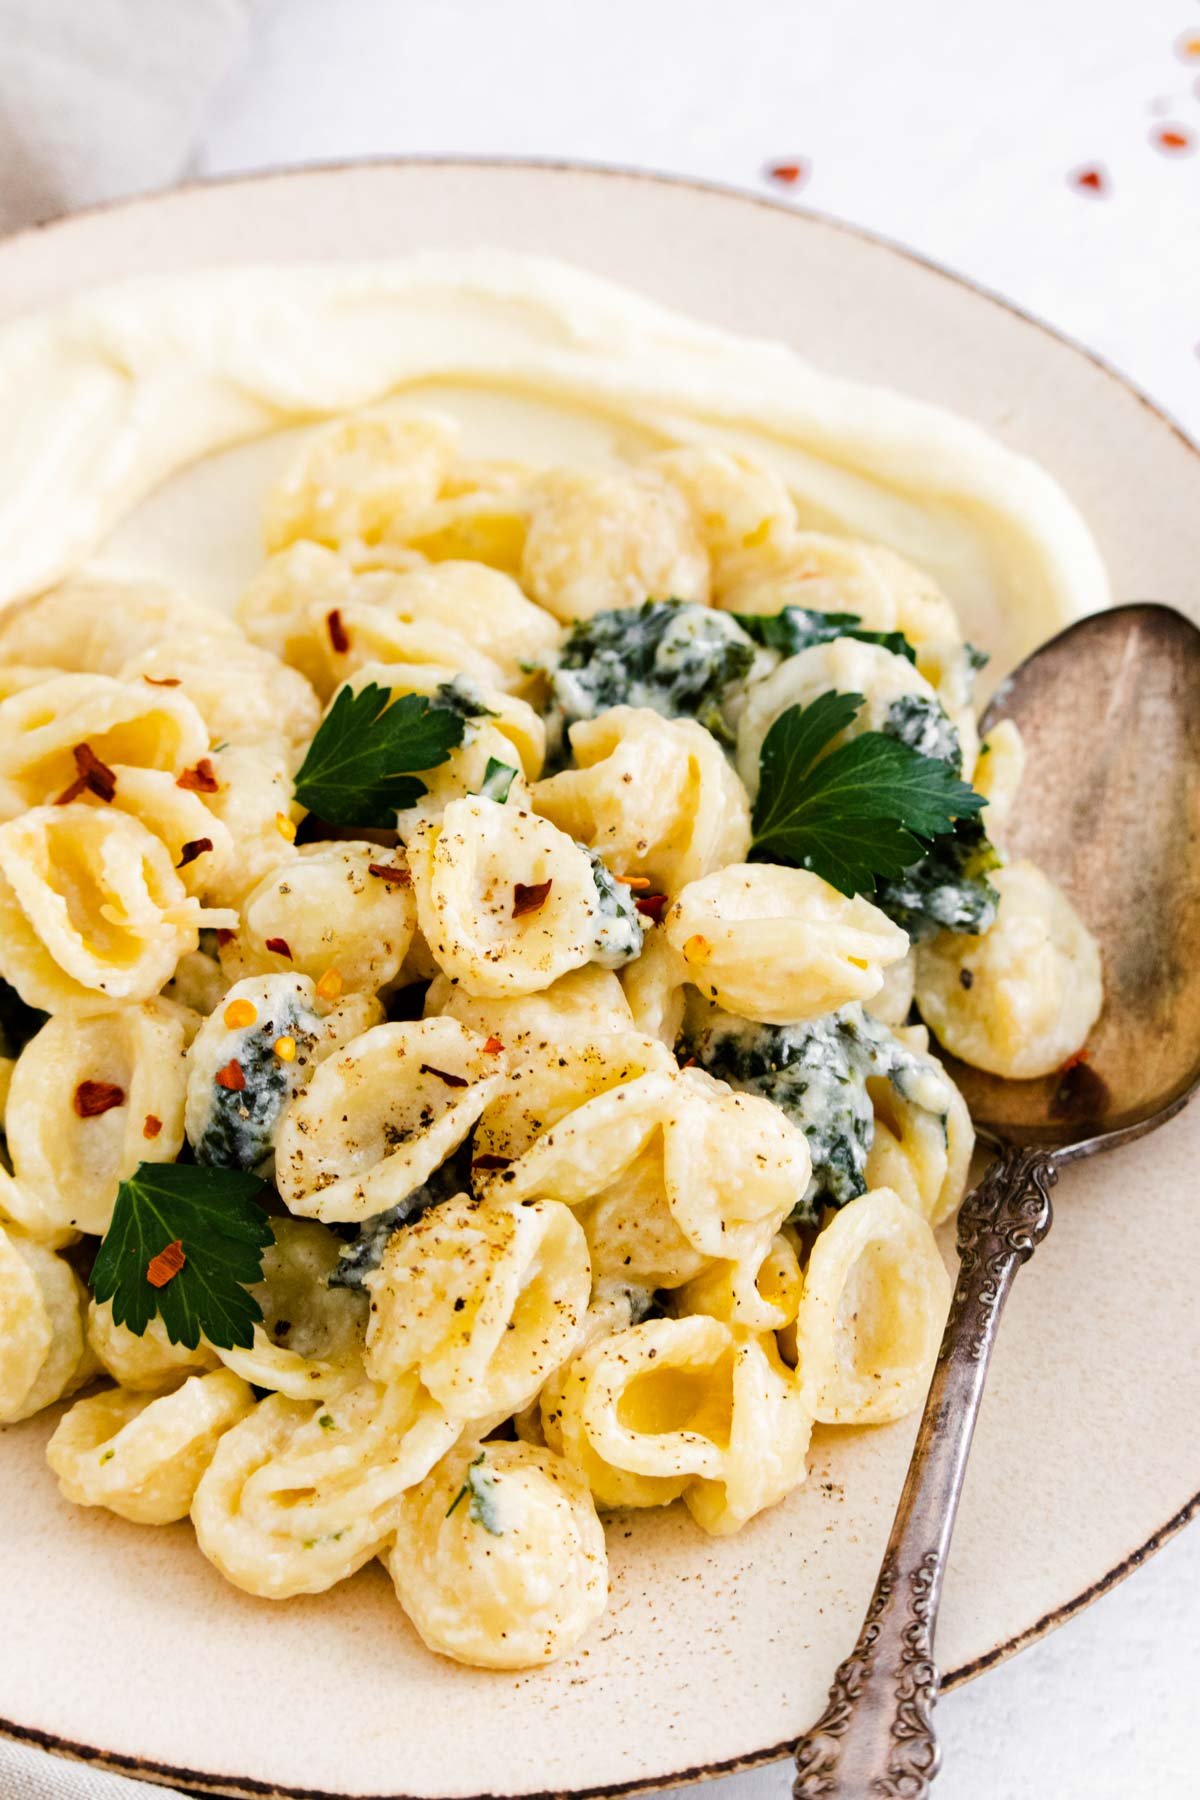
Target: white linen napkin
98	101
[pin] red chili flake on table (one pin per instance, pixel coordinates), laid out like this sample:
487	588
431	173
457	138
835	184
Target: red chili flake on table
95	1097
151	1126
279	947
392	876
530	899
488	1161
445	1075
1174	139
339	637
162	680
91	776
166	1265
493	1047
231	1076
651	906
789	174
1187	47
200	779
1090	180
192	849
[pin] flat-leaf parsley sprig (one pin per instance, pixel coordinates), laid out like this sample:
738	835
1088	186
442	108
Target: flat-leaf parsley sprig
360	766
185	1243
864	812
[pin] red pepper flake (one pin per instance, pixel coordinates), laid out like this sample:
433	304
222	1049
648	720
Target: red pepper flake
1092	179
530	899
636	882
788	174
231	1076
493	1047
95	1097
166	1265
1175	140
200	779
192	849
91	776
162	680
151	1126
339	637
445	1075
488	1161
1073	1062
223	935
279	947
1187	47
390	874
689	1062
651	906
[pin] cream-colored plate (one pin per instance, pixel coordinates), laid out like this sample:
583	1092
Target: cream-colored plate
121	1644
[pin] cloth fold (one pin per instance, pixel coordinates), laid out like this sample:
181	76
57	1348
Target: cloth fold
98	100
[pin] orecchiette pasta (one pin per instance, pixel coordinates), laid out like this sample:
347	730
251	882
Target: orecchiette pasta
508	903
43	1351
358	480
149	1363
301	1493
762	1292
91	1099
309	1345
587	999
91	909
871	1314
780	945
998	772
655	797
612	539
482	1299
1032	990
258	1049
142	1455
548	1075
499	1557
119	722
377	1118
922	1153
348	907
696	1140
741	507
95	626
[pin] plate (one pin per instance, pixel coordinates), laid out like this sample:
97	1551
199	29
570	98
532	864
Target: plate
123	1646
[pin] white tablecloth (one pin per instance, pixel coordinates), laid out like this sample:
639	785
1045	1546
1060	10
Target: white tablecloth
1051	152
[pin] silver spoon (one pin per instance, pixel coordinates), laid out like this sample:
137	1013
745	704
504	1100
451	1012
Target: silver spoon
1110	714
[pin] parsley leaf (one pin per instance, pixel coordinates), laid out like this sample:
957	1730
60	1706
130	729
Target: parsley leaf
212	1214
358	767
861	812
796	628
482	1489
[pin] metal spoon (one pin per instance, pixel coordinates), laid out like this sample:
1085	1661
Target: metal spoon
1110	714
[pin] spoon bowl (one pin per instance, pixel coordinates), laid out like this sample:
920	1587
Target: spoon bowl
1109	712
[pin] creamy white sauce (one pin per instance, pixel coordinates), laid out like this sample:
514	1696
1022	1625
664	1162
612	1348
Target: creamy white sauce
108	397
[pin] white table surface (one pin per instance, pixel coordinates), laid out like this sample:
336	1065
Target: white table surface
960	131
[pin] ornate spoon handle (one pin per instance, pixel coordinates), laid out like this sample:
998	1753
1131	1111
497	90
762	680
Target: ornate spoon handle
875	1738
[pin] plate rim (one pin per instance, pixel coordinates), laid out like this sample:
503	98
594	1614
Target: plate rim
146	1769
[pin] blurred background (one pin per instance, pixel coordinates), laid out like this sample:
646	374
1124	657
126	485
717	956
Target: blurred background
1049	149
